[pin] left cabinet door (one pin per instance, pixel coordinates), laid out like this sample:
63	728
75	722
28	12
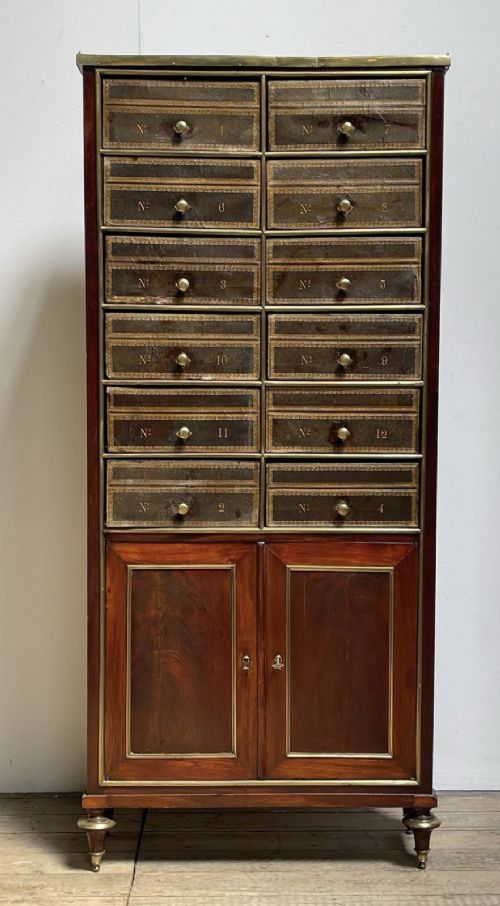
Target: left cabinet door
180	662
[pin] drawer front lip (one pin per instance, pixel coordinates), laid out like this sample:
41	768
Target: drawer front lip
194	91
202	354
165	427
310	475
320	129
240	506
161	199
241	131
364	356
325	424
326	499
319	207
308	285
359	93
203	278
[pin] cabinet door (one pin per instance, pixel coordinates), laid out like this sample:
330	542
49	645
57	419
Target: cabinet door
341	661
180	665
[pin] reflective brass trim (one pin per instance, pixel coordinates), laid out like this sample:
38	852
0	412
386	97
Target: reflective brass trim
258	783
129	754
334	569
259	62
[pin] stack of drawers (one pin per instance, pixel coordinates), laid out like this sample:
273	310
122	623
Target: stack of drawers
263	301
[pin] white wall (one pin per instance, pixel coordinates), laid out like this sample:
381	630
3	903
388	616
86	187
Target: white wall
42	402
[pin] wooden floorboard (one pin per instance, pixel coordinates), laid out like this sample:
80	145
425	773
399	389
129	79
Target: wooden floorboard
342	858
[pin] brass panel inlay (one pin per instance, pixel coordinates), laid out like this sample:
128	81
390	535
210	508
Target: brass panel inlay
389	754
129	754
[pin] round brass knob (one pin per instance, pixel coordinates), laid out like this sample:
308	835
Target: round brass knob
182	284
181	127
344	206
184	433
346	128
183	359
182	206
343	434
183	509
343	508
345	360
343	284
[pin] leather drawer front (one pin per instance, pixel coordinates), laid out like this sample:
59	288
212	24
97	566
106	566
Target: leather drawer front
182	347
306	194
342	420
328	494
147	494
145	191
216	421
346	114
209	116
345	347
314	271
143	270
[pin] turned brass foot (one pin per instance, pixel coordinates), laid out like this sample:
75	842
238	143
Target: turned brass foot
96	825
421	822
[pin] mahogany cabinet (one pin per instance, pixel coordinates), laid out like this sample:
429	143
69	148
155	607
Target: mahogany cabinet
262	287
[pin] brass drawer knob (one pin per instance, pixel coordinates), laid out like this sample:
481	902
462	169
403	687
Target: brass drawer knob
183	359
343	434
278	662
346	128
182	284
343	284
245	662
344	206
182	206
183	509
343	508
181	127
344	360
184	433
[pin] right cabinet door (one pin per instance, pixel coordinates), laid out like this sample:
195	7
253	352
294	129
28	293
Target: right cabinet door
341	661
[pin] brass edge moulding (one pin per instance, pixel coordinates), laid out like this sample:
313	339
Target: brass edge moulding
260	62
389	570
231	568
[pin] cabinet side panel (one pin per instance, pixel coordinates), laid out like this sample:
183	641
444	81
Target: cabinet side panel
428	576
93	541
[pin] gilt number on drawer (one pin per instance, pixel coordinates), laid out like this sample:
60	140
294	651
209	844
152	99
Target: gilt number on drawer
382	434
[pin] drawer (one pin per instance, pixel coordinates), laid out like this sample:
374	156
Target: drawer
181	193
346	114
178	420
342	420
345	347
185	494
330	494
342	271
179	114
340	194
159	270
182	347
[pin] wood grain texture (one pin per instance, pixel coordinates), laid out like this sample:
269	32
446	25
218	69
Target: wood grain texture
183	648
333	705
